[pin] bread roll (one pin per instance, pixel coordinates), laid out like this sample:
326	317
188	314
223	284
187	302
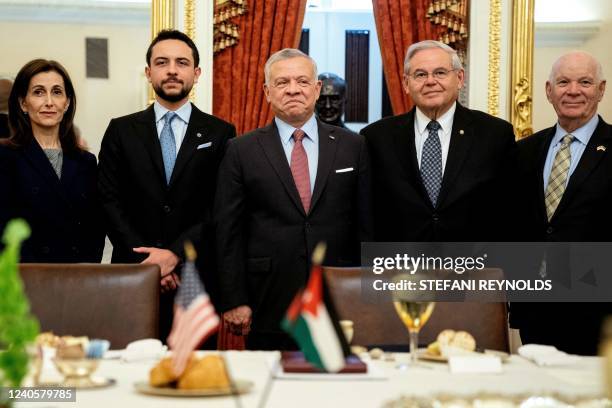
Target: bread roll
208	372
162	375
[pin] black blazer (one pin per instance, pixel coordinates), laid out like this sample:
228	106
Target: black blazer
473	198
582	216
64	214
141	210
5	131
265	239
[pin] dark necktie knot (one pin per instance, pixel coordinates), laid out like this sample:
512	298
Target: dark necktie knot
433	126
298	135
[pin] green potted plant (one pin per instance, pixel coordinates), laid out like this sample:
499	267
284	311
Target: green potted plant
18	328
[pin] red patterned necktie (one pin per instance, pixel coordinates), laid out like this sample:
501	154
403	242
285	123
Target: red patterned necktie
299	169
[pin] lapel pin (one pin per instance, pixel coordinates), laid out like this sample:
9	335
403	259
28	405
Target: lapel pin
461	131
198	134
601	148
332	137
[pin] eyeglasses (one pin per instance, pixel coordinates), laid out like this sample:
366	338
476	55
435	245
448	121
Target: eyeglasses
283	83
439	74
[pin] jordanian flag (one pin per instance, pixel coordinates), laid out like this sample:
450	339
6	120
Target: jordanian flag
308	321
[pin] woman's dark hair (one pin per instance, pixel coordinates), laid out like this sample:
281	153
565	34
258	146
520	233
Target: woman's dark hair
21	128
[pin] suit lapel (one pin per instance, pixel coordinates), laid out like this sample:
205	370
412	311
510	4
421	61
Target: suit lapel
405	149
327	153
403	138
540	179
462	138
269	141
70	167
590	159
196	126
36	156
147	130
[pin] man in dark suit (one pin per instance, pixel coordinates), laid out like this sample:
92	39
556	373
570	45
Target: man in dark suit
282	189
439	171
158	170
565	173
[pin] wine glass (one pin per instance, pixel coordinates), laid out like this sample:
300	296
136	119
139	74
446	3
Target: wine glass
414	308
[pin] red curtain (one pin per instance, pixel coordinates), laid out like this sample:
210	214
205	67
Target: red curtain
400	23
238	76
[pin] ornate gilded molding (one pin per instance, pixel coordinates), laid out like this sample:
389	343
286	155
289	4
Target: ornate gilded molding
522	67
494	56
189	18
162	17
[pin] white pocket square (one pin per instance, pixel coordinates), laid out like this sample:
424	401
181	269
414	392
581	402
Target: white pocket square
204	145
344	170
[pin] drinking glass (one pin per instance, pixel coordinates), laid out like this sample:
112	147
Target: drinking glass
414	309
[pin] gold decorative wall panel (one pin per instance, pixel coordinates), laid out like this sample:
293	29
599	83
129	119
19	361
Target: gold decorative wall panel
494	56
162	17
522	68
190	18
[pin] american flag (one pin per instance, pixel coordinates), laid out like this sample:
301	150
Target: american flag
194	316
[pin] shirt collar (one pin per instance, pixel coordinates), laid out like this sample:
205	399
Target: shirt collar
445	121
184	112
582	134
285	130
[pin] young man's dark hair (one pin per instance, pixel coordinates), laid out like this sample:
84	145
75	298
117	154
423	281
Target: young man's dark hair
174	35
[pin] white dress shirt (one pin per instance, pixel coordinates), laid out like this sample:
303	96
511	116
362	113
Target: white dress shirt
444	133
310	143
179	124
582	135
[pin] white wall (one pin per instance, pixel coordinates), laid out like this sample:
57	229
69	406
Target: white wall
327	47
591	31
98	100
599	45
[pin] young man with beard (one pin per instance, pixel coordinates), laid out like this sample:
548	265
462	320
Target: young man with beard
158	171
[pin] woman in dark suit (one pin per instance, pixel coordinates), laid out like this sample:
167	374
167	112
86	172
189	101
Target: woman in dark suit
46	177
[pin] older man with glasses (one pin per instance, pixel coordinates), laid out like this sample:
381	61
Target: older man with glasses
440	172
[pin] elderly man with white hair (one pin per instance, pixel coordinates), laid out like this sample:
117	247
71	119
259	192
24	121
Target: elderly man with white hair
441	171
566	178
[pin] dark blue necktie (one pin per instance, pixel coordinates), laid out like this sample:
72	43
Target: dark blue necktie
168	145
431	163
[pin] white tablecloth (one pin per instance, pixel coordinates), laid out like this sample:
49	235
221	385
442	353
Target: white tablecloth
520	377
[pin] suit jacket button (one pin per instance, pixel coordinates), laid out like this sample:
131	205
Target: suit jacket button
307	225
167	209
435	217
159	244
45	250
549	230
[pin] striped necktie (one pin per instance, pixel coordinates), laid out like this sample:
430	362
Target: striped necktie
299	169
558	176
